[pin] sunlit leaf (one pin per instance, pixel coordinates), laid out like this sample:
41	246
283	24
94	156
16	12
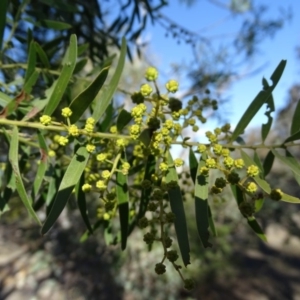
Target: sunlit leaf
265	128
64	77
57	25
123	119
31	61
177	208
268	163
31	82
211	222
193	164
42	167
108	92
288	161
256	228
258	102
14	160
85	98
201	206
69	181
294	137
289	198
81	202
259	204
42	55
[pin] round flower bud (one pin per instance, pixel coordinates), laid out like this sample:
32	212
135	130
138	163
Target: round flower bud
151	74
63	141
146	89
148	238
172	255
100	184
211	163
170	217
160	268
152	206
252	171
204	171
217	149
146	184
178	162
154	123
90	148
175	104
228	162
215	190
105	174
172	86
45	120
163	166
137	98
86	188
66	112
220	182
143	222
109	206
201	148
247	209
239	163
251	187
233	178
189	284
73	130
167	242
276	194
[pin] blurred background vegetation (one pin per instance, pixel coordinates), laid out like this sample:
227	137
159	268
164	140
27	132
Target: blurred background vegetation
238	266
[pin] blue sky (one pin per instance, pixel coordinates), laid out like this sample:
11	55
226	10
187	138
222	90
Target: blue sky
210	20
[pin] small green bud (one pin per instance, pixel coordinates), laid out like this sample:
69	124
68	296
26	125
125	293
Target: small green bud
167	242
276	194
160	268
175	104
233	178
154	123
143	222
152	206
172	255
189	284
247	209
137	98
220	182
148	238
170	217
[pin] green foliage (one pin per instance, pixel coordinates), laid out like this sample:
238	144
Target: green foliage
81	145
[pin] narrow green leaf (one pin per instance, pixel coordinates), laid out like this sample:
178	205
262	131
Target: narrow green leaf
81	202
56	25
123	119
123	205
193	164
211	222
84	99
85	236
257	161
295	126
107	119
237	193
4	99
256	228
268	163
258	102
64	77
177	208
31	82
145	136
80	65
14	160
201	206
42	55
265	128
295	162
290	199
108	92
82	48
289	161
69	181
3	10
294	137
42	167
31	61
259	204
